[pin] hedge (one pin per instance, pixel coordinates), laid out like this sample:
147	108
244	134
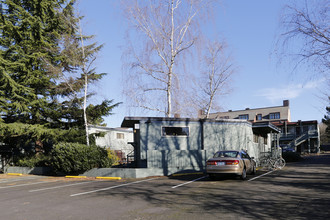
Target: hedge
75	158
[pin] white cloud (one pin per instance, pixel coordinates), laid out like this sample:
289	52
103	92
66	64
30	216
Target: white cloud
290	91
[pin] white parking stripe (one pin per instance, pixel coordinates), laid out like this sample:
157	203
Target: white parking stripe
18	179
62	186
112	187
188	182
27	184
261	175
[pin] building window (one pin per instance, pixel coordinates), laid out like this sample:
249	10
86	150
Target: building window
265	140
244	117
224	117
312	127
255	138
259	117
120	136
275	115
305	128
175	131
291	130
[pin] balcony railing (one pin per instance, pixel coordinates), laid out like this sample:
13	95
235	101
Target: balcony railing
287	136
291	136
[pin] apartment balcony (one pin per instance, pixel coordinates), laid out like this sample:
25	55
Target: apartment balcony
287	137
290	136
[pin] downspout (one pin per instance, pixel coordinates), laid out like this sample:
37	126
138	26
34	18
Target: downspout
202	133
201	122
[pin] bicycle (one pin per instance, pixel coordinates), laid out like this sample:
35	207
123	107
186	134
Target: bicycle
273	163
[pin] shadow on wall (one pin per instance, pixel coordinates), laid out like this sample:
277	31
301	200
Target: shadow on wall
231	136
173	153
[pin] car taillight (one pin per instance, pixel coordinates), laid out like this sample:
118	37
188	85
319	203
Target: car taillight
211	163
232	162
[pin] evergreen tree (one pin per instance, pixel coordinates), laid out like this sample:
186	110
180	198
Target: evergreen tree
29	35
39	93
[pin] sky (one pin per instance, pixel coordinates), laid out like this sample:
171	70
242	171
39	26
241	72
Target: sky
250	29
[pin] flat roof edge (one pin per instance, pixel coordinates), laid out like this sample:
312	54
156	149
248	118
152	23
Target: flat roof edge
130	121
250	109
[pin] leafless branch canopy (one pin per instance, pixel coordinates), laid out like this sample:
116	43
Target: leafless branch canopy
310	25
164	30
218	69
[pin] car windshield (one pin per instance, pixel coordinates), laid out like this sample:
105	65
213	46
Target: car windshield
226	154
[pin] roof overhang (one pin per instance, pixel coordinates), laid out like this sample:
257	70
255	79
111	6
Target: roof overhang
265	128
129	122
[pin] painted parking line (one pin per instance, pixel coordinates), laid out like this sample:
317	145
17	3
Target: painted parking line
261	175
112	187
27	184
18	179
173	187
62	186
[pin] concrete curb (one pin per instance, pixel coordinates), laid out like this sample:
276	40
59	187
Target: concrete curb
75	176
108	178
14	174
185	174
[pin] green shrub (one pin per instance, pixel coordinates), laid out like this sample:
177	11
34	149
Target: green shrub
39	160
291	156
74	158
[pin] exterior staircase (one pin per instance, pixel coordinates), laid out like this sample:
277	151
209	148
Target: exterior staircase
301	139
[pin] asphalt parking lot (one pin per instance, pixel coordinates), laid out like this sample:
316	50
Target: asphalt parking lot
299	191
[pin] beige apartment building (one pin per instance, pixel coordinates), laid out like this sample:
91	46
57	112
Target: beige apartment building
300	136
257	114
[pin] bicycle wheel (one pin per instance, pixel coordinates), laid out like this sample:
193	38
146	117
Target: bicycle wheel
263	162
280	163
272	164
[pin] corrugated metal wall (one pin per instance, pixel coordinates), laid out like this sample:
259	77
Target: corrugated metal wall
186	153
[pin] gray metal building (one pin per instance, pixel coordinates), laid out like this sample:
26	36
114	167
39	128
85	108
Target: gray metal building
181	144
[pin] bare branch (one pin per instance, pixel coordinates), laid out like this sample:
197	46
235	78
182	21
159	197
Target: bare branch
308	24
167	29
217	73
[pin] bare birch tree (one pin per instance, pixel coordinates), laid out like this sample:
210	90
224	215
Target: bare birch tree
85	73
79	72
308	25
216	75
168	28
81	61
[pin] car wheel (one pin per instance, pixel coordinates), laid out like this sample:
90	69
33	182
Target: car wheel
243	176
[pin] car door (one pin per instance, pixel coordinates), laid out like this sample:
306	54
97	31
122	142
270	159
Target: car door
247	162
